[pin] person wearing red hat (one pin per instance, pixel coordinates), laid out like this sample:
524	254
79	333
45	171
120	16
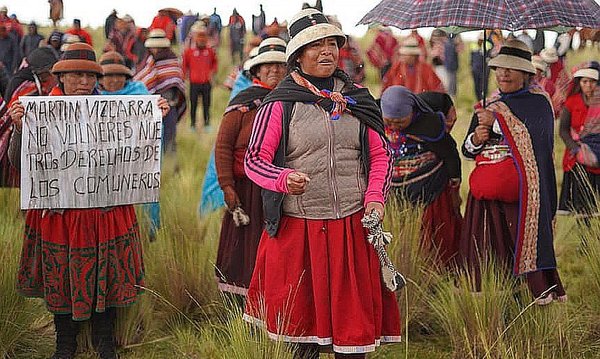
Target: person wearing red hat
67	253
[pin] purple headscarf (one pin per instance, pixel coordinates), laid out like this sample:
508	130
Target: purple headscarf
398	102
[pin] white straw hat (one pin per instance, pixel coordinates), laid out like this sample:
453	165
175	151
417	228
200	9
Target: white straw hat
311	25
550	55
251	55
270	50
539	63
589	73
514	54
157	38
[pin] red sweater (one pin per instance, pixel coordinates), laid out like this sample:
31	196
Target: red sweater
199	65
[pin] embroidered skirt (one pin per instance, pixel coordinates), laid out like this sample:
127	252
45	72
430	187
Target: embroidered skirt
82	260
238	245
490	227
319	282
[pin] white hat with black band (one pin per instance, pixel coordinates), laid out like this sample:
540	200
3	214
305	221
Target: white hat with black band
310	25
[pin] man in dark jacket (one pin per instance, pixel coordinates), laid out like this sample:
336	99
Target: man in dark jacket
31	40
10	53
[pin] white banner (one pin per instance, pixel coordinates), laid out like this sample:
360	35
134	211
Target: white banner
90	151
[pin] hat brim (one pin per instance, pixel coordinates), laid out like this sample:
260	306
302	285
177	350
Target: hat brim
161	42
512	62
268	57
549	59
116	69
314	33
589	73
73	65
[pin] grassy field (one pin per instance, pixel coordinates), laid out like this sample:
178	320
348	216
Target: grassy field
182	314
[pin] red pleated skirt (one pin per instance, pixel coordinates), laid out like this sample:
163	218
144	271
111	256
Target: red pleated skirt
319	282
442	227
82	260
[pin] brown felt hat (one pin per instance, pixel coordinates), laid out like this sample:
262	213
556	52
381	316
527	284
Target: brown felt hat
113	63
78	57
514	54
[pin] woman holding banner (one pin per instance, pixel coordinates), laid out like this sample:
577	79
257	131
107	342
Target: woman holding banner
82	262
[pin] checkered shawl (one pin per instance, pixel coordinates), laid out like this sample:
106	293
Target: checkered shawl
485	14
159	75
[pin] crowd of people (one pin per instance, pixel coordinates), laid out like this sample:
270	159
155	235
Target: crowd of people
304	152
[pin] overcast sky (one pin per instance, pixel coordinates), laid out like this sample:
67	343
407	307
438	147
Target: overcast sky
94	12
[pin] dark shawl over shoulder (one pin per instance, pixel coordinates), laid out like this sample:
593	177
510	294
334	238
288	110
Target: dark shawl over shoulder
527	123
365	109
289	92
248	99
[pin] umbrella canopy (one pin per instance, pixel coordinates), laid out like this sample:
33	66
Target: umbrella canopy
486	14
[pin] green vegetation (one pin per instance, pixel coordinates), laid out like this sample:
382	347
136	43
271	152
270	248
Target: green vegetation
183	315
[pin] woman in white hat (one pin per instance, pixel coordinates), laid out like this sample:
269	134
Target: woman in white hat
163	76
319	152
580	182
512	198
557	75
541	75
239	239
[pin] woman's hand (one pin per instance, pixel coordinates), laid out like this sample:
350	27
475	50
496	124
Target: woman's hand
481	135
375	206
296	182
485	117
16	112
163	104
231	198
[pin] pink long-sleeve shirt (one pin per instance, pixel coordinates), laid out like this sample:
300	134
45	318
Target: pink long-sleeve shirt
266	135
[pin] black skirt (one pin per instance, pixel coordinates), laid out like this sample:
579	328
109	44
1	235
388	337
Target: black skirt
237	245
580	191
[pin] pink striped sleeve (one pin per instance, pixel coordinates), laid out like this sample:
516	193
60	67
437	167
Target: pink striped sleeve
264	141
380	173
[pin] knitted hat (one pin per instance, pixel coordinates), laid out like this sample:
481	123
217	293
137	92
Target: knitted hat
78	57
270	50
587	72
549	55
113	64
410	46
514	54
157	38
41	59
310	25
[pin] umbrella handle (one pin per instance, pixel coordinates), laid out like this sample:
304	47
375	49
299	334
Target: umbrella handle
484	77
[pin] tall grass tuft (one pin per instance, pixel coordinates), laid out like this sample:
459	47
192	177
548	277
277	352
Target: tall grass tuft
229	337
474	321
416	262
16	312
